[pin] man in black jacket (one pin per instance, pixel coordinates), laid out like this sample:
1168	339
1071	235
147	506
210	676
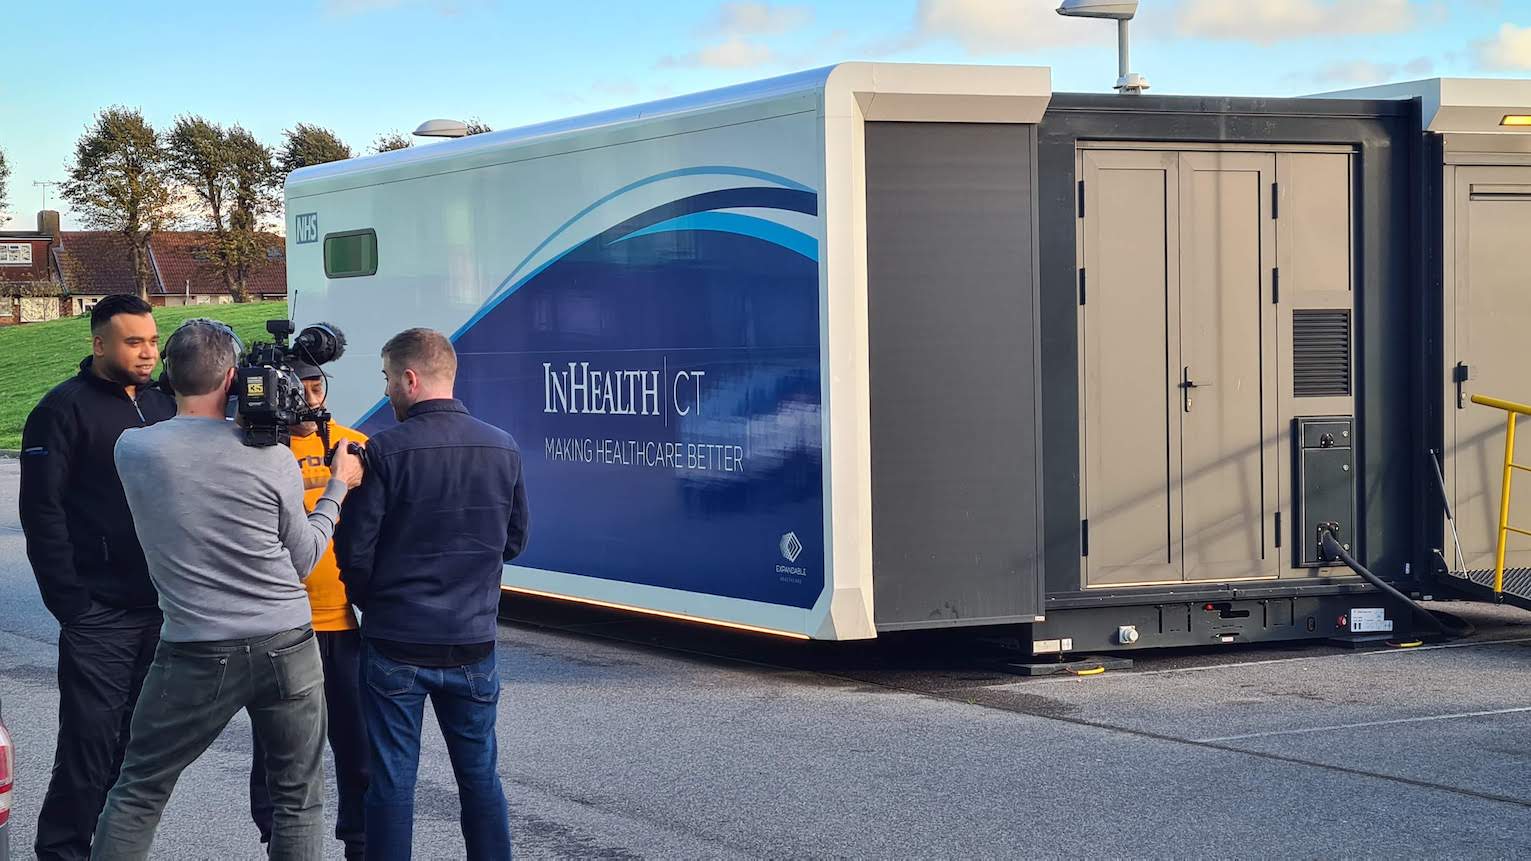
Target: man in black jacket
422	545
88	564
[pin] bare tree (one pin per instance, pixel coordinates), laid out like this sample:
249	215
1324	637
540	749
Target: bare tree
477	126
120	181
5	179
391	141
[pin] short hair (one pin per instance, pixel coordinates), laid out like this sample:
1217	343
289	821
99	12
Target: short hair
111	306
427	351
198	356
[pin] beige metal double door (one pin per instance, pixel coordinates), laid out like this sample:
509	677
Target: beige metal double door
1178	334
1488	318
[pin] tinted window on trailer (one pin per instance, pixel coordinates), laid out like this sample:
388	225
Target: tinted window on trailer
350	254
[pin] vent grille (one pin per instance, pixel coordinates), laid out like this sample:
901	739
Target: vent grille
1321	354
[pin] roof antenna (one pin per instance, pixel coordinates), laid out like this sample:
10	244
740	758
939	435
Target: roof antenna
1120	11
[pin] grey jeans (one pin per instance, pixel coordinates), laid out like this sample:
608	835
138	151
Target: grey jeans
191	693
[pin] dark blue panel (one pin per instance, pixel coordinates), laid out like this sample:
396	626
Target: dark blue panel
664	492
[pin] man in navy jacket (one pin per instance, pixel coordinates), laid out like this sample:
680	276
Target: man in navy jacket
421	547
89	565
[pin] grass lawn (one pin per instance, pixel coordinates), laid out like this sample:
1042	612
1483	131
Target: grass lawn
38	356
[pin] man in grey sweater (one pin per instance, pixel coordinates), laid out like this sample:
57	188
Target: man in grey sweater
228	545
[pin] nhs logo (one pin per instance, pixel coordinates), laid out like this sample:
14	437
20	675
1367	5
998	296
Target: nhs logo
306	227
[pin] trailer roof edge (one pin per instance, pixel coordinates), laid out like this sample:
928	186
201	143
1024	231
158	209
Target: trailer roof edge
1456	105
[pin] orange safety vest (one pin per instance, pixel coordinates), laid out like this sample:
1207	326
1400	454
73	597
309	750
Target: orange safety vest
326	594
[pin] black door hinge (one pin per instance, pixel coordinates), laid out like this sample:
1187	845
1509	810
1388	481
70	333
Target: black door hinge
1275	200
1084	537
1275	285
1081	285
1278	529
1081	198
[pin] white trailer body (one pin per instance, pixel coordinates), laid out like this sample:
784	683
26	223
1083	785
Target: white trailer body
667	306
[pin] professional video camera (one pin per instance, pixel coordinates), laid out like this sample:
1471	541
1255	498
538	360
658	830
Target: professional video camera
268	392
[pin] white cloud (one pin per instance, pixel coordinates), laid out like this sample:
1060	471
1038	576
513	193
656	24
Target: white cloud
757	19
1270	21
1360	72
987	27
1510	49
1355	73
732	53
741	27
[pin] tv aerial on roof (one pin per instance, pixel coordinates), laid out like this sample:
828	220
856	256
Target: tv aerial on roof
1120	11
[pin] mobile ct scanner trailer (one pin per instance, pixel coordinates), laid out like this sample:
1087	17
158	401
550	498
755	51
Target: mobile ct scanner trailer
889	347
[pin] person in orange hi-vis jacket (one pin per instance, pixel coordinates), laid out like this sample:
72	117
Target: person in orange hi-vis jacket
339	645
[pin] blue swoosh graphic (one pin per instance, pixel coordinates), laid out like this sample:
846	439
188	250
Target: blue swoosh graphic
701	170
744	225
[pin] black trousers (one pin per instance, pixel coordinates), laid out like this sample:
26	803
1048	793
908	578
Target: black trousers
340	652
102	660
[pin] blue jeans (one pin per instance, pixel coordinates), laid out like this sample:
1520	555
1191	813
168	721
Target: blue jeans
393	706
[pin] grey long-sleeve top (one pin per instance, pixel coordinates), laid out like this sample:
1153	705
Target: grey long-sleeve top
223	528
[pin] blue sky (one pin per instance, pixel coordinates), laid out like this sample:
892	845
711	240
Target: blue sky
364	67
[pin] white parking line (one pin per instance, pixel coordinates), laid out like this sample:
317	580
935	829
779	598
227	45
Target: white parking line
1345	726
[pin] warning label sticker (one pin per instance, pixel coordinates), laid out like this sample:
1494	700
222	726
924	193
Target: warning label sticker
1369	620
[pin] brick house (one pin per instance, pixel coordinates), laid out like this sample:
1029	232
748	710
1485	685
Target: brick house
53	272
29	285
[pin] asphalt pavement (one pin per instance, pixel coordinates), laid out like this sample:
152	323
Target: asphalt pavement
623	737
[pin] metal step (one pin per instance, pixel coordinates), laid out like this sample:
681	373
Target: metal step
1479	585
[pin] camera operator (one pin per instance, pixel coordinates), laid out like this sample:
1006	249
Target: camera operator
339	642
88	564
228	552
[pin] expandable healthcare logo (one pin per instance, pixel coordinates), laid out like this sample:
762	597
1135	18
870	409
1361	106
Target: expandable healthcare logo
791	548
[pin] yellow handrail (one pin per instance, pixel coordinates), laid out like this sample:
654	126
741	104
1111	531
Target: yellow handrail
1501	404
1513	411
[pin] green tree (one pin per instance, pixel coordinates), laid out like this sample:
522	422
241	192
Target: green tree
391	141
198	153
255	185
307	145
120	180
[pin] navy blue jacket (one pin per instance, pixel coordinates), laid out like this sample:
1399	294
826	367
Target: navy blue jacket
80	537
423	540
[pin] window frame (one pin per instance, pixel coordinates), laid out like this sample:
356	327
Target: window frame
346	234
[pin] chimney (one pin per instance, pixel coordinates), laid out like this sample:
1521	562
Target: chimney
47	225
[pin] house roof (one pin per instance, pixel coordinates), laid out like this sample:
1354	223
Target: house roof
98	262
182	259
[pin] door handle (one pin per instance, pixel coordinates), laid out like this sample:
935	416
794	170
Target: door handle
1460	375
1187	385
